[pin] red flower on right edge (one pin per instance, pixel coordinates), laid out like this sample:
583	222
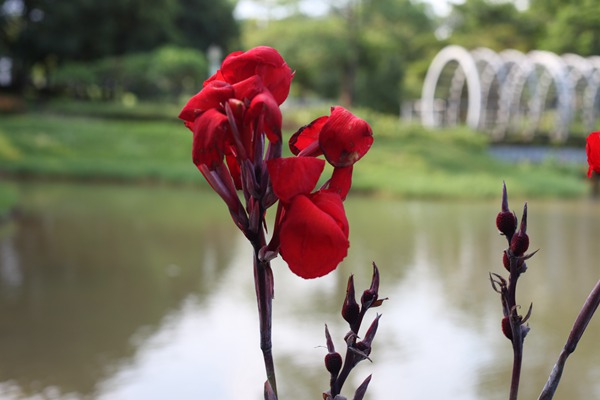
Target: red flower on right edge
592	148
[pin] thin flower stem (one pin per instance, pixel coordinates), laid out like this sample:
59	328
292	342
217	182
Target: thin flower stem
584	317
349	363
517	334
516	372
263	282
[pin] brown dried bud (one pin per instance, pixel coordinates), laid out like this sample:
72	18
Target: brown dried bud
506	261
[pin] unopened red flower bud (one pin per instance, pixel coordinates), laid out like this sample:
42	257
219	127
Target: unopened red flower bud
521	267
368	297
506	222
506	261
519	244
506	329
350	308
333	363
350	312
520	241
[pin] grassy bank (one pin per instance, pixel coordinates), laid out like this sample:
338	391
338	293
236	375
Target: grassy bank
90	142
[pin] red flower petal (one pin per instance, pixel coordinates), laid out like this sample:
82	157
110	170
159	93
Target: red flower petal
340	181
332	204
234	170
210	135
264	105
249	88
314	234
211	96
308	136
263	61
345	138
294	175
592	149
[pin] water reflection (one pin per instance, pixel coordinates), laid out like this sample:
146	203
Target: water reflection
85	272
146	293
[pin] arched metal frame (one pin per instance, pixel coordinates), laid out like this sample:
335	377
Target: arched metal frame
511	92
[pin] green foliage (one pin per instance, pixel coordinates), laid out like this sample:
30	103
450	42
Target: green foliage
8	199
575	28
357	54
80	147
496	25
317	48
49	33
405	160
202	23
167	72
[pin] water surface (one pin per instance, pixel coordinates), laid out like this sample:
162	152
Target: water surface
112	292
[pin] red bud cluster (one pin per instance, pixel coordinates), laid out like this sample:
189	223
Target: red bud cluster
520	240
357	350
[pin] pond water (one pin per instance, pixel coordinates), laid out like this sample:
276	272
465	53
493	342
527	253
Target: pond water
113	292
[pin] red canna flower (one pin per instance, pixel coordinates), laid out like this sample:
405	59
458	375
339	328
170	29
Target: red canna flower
210	138
305	142
592	149
314	234
211	96
342	137
292	176
230	117
262	61
311	230
345	138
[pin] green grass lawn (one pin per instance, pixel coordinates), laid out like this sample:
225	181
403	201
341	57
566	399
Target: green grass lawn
89	142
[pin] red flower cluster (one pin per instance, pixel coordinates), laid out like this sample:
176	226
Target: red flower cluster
231	116
592	149
311	228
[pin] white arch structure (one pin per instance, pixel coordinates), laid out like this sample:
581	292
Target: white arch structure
511	92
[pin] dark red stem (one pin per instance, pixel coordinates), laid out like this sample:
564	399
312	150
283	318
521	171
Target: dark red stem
264	285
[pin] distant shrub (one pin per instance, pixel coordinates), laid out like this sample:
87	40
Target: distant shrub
167	72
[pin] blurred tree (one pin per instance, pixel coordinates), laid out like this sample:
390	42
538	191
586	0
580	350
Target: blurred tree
48	32
202	23
395	35
357	53
574	26
492	24
315	46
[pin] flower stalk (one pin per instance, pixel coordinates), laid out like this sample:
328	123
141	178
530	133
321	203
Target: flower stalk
263	283
514	257
356	350
584	317
237	146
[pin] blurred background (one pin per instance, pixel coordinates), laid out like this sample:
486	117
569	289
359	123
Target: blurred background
122	276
